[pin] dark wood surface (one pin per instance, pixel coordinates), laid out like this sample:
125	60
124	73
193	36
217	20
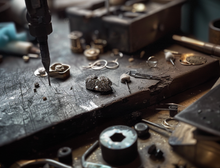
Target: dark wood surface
26	119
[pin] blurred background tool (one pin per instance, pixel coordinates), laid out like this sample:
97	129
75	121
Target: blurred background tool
12	42
207	48
39	19
8	33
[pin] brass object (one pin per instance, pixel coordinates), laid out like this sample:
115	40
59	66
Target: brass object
75	37
99	44
192	59
208	48
92	53
59	70
214	32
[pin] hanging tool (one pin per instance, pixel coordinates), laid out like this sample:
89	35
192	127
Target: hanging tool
125	78
39	19
169	57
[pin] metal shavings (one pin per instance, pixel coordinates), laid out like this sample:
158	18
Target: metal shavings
36	85
92	53
100	84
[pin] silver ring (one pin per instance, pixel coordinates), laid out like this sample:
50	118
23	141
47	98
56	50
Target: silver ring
166	124
113	67
152	63
93	66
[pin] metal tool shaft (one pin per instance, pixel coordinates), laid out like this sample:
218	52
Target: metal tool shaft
128	87
156	125
45	56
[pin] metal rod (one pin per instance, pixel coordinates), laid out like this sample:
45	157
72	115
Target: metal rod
157	125
24	163
86	164
128	87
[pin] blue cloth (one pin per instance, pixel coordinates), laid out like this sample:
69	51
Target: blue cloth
8	33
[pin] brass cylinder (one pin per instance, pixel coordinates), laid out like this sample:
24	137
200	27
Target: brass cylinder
214	32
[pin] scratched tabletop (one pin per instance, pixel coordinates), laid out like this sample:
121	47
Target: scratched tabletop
71	109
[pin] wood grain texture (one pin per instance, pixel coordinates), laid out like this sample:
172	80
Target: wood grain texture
26	119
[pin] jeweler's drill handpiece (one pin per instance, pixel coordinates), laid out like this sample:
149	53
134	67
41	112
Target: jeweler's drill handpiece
39	19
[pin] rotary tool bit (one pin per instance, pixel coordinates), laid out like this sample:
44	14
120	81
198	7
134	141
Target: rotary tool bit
125	78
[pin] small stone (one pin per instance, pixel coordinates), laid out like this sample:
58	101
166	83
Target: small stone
26	58
131	59
199	111
36	85
44	98
100	84
35	90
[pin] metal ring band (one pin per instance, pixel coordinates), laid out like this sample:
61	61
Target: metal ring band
153	62
97	67
166	124
112	67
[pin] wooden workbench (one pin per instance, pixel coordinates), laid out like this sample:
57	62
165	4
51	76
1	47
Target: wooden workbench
70	109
